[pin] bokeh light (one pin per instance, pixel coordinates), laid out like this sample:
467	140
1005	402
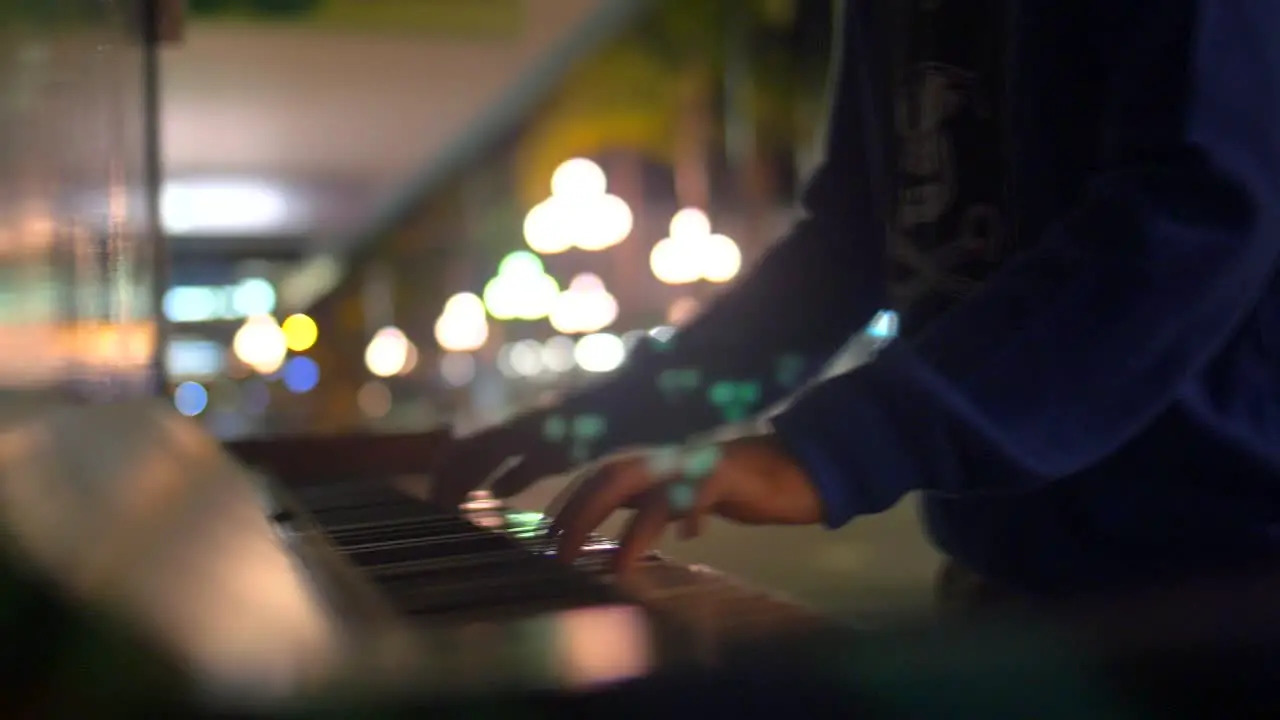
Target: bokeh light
190	398
586	306
374	399
260	344
689	222
600	353
457	369
300	375
692	252
410	360
300	332
580	213
663	333
526	358
387	352
521	290
884	326
462	325
578	178
193	304
254	296
544	228
557	354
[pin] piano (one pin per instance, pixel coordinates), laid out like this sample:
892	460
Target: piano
175	578
273	568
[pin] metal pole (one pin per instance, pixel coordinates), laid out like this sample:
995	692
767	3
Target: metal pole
151	12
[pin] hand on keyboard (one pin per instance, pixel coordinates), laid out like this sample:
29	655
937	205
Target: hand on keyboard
749	480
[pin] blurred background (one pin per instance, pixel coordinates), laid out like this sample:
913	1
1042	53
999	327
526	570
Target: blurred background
394	214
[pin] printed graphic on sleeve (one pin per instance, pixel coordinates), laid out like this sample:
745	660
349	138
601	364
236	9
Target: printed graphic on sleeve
949	230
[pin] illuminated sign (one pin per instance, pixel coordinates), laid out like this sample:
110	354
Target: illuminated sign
222	207
202	303
194	359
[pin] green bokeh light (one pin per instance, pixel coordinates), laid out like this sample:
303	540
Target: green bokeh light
554	429
589	427
699	462
681	497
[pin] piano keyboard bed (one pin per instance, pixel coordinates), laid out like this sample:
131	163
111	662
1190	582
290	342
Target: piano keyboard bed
490	564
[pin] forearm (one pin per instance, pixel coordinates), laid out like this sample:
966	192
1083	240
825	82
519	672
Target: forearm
758	344
1077	347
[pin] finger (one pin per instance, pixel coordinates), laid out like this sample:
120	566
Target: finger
605	491
570	489
645	529
690	501
577	479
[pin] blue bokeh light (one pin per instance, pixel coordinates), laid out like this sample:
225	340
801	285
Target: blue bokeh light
301	375
190	398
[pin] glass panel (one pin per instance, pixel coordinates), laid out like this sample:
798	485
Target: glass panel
77	243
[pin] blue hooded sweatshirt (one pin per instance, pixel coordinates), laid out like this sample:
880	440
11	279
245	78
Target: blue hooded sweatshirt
1074	205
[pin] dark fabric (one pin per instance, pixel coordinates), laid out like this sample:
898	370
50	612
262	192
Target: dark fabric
961	593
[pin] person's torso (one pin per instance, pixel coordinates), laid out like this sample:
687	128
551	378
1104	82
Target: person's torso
993	139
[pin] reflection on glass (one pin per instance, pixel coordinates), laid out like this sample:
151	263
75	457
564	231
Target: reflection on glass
76	242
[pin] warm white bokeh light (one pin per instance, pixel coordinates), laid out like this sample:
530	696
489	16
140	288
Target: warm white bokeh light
410	360
721	259
578	178
521	290
526	358
544	228
692	252
600	353
580	213
557	354
260	344
689	222
586	306
387	353
604	222
674	262
462	326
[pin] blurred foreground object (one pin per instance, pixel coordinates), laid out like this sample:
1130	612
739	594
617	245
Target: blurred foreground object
79	251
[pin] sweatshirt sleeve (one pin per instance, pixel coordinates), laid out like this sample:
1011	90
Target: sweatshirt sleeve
783	320
1082	342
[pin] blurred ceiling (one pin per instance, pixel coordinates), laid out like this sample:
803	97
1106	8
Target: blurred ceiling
312	134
